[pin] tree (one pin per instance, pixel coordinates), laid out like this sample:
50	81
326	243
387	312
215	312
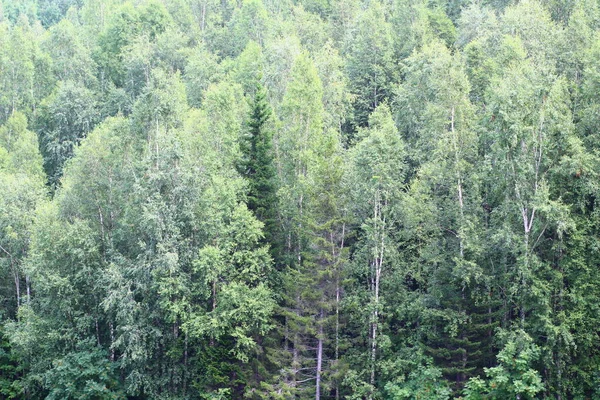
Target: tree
71	58
248	23
22	65
84	374
231	273
370	66
296	150
513	377
22	179
457	326
257	165
65	118
377	168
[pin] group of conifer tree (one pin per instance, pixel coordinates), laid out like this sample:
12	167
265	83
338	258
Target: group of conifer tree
300	199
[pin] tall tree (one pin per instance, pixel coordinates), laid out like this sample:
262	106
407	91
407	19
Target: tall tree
377	174
370	63
257	165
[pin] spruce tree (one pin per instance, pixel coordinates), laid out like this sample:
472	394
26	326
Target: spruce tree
257	167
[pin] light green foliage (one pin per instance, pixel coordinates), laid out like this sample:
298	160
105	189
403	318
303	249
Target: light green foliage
248	23
161	106
71	58
418	23
124	25
433	100
423	383
12	10
20	59
22	179
21	146
337	100
280	57
379	157
202	69
513	377
532	24
375	178
302	120
302	114
234	271
249	67
310	28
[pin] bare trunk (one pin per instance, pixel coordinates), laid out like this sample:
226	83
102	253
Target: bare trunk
319	357
214	305
374	325
17	288
112	342
295	361
156	142
377	267
214	295
337	333
28	287
523	278
185	352
97	330
299	243
459	180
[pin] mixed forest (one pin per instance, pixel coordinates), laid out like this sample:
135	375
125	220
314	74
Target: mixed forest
300	199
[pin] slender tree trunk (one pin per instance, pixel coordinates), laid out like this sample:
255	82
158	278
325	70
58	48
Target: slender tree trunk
299	239
375	322
214	305
112	342
28	287
524	279
319	357
337	260
377	266
202	24
295	361
97	330
337	334
185	351
17	288
459	181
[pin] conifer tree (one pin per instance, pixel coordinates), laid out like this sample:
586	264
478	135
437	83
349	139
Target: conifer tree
257	165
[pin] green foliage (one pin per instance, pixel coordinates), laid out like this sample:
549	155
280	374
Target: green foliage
257	165
370	66
423	383
10	385
65	118
83	374
513	377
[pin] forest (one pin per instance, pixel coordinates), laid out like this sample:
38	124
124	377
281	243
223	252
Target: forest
300	199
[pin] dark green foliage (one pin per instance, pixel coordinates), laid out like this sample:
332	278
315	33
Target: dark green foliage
10	371
257	166
65	118
85	373
370	64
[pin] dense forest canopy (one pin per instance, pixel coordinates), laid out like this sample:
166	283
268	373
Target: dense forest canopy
294	199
